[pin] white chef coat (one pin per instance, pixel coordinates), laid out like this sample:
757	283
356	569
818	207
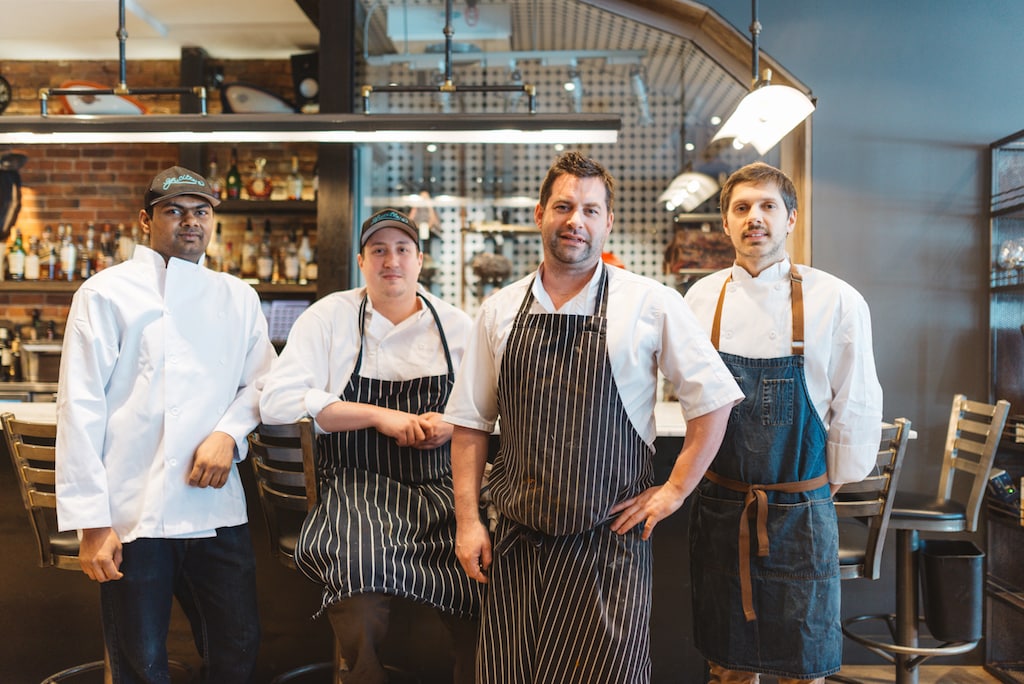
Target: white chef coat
650	327
320	355
155	358
839	362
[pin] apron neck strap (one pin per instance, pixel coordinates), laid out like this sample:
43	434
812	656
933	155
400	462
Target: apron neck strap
437	321
797	297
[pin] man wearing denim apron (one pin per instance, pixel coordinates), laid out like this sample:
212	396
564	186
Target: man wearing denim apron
764	538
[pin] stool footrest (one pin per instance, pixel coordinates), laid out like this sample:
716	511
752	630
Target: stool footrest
888	650
74	671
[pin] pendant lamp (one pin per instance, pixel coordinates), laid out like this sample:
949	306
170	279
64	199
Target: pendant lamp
768	112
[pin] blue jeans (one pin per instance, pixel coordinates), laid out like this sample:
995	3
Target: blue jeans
214	580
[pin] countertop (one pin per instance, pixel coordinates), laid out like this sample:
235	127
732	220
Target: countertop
668	415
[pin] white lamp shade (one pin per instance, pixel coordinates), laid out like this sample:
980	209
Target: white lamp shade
688	190
765	116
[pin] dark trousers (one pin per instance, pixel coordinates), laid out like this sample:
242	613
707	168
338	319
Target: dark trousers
214	580
360	625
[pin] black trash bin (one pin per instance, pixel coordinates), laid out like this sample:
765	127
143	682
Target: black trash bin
952	582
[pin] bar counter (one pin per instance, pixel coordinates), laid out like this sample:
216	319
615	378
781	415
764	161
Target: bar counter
288	600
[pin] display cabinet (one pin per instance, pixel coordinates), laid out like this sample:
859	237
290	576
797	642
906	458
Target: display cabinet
1006	291
1004	594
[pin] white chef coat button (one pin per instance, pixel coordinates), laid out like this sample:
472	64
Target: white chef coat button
773	334
175	411
172	359
778	286
173	462
220	314
728	334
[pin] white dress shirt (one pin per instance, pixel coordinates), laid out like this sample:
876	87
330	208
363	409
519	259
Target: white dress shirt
318	359
155	358
649	328
839	362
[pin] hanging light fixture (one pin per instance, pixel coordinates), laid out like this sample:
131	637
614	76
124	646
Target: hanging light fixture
768	112
688	190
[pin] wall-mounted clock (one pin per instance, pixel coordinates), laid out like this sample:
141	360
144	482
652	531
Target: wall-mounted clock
5	94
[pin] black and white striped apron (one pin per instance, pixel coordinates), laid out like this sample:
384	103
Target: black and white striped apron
568	599
385	522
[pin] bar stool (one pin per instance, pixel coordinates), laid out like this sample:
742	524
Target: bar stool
31	447
864	509
284	461
971	442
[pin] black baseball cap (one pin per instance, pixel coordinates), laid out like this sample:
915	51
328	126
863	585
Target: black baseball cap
177	181
388	218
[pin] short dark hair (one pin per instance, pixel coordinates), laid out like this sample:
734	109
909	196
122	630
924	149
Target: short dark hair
759	173
575	164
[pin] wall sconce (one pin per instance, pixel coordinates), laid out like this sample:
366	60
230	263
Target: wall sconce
768	112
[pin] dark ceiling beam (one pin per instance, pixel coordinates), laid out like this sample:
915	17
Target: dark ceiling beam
311	8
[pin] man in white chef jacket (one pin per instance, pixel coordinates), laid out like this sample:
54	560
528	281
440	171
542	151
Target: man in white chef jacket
156	397
765	578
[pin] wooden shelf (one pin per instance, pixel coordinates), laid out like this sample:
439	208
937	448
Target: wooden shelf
266	207
49	286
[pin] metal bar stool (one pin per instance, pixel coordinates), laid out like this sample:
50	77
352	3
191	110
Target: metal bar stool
971	442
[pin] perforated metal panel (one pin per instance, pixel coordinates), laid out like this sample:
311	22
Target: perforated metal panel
684	89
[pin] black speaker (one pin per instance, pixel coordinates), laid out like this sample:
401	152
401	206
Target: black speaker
306	78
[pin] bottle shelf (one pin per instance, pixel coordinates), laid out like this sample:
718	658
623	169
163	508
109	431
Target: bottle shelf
47	286
266	207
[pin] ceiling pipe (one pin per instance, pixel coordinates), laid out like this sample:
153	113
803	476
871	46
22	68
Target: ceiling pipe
122	87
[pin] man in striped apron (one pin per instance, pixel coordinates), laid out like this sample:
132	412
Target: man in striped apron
374	366
568	359
764	539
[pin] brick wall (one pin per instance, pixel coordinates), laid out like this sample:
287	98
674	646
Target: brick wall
103	184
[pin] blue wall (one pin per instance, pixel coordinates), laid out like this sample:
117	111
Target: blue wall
910	94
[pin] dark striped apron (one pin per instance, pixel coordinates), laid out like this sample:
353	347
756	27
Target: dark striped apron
768	601
568	600
385	522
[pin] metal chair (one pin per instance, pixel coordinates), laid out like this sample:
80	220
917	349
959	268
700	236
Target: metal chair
971	442
33	454
864	509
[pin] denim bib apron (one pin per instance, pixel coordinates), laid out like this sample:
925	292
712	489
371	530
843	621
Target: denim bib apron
385	522
569	600
764	541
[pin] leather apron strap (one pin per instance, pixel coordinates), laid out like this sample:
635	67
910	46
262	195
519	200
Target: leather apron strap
797	296
755	494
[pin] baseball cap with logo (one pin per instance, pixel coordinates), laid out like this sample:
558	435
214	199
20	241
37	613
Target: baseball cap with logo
388	218
177	181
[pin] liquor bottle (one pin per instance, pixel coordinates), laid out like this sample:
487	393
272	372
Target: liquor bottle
305	257
250	250
84	252
32	260
213	250
52	263
68	256
291	260
230	263
316	180
126	243
16	258
214	179
311	269
233	182
5	354
14	369
265	260
295	180
260	184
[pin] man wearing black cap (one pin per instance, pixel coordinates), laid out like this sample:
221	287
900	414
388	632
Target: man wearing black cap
157	394
374	366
